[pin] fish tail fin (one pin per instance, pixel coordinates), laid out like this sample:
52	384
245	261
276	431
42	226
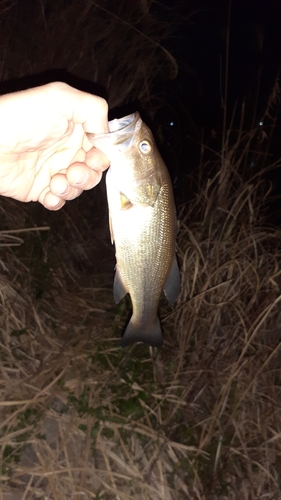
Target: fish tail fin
150	334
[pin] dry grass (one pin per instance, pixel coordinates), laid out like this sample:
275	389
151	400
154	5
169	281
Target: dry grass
228	323
81	418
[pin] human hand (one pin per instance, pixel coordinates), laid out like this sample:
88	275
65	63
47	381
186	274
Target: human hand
45	154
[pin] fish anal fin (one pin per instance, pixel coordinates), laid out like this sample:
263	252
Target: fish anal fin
119	289
172	285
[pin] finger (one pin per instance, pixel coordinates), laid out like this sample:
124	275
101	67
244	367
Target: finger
61	188
96	160
52	202
79	175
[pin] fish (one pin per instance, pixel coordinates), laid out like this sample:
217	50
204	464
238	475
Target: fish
143	225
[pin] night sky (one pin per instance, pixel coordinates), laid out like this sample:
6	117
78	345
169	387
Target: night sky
240	39
229	57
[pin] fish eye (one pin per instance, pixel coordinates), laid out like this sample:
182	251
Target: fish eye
145	147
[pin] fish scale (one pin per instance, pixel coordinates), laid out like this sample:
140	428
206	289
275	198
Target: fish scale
133	263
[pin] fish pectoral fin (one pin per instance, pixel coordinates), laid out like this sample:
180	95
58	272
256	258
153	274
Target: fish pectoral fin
111	229
125	203
119	290
172	285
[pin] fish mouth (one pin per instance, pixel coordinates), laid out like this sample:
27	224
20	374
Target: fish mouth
121	134
124	125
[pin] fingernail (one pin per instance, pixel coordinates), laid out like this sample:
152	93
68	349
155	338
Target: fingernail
63	193
55	203
82	179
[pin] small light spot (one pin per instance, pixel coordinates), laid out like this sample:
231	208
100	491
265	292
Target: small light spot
172	124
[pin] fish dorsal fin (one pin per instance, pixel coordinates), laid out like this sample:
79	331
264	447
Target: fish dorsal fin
172	285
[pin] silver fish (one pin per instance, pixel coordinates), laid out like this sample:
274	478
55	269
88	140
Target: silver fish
142	218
